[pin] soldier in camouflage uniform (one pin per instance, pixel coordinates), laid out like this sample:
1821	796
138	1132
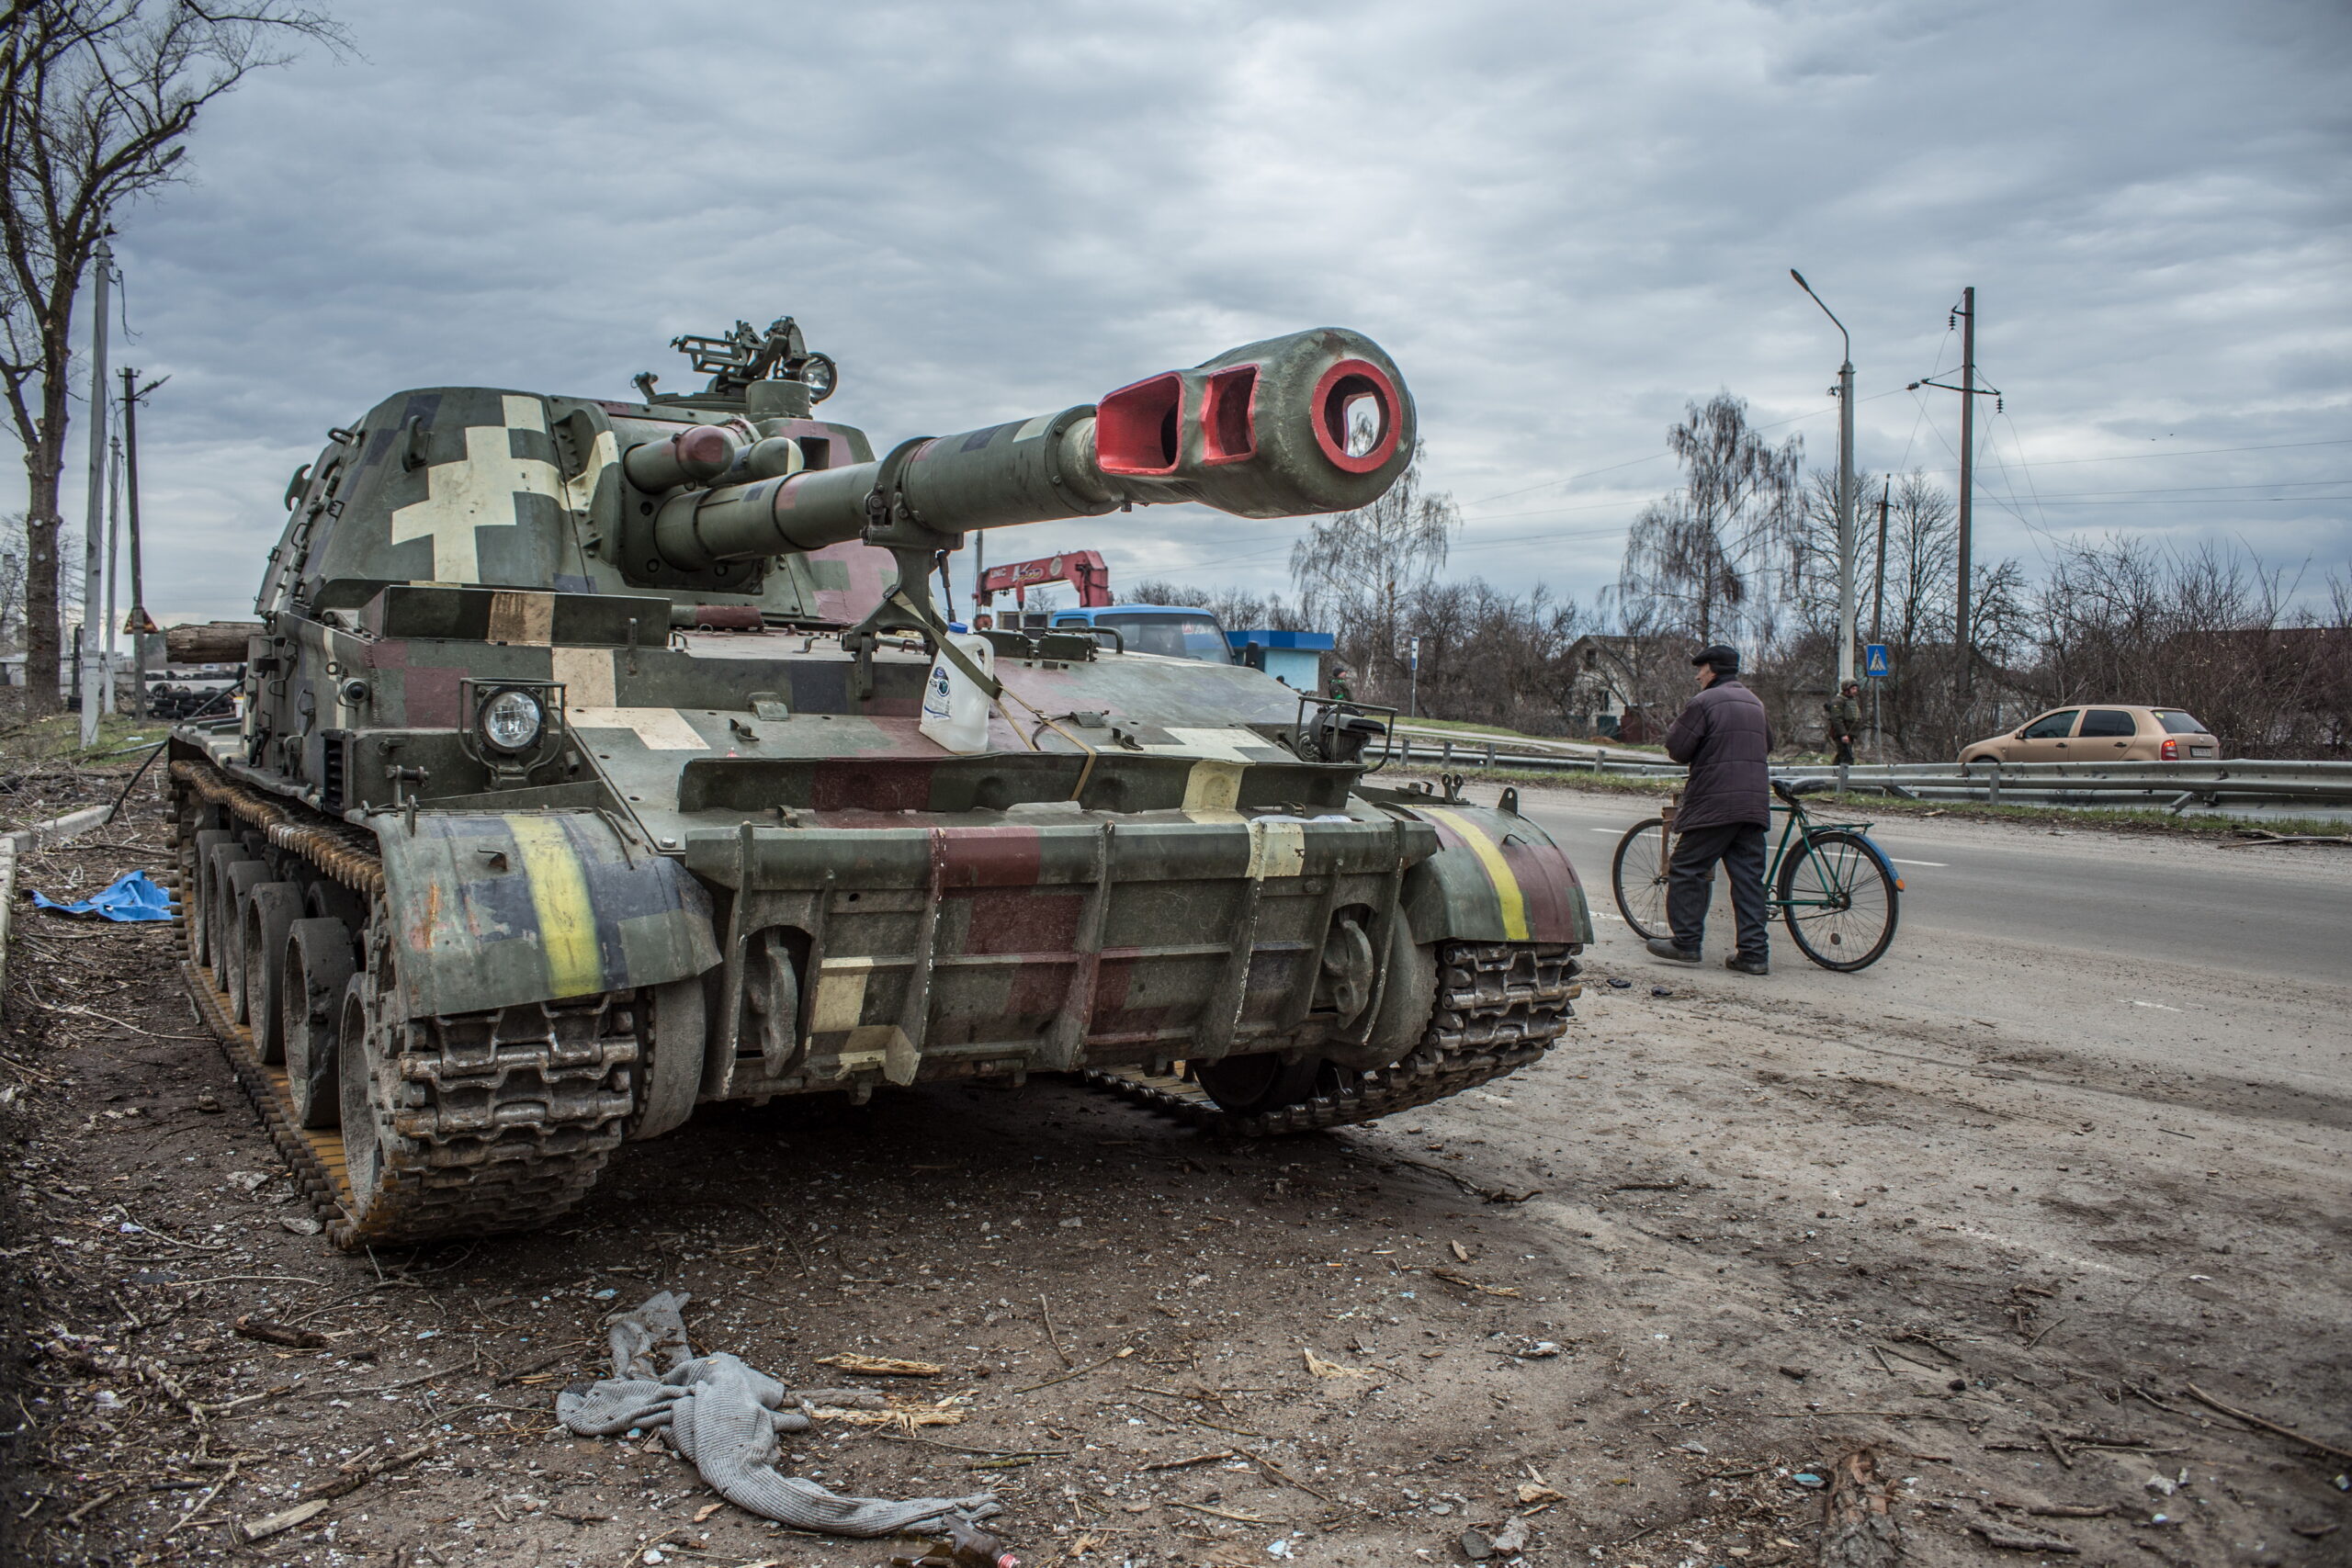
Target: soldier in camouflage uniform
1845	712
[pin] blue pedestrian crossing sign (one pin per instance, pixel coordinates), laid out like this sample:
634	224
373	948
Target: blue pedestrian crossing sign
1874	660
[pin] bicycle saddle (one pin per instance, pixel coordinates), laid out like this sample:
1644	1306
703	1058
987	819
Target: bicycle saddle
1789	792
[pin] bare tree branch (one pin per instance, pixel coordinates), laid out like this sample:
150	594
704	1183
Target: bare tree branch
97	98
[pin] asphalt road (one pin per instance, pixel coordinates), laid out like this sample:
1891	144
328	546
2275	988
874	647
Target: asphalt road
2280	912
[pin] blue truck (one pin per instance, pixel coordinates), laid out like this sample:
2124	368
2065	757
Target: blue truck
1184	631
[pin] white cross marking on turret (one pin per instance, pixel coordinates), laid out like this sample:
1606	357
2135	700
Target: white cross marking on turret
478	492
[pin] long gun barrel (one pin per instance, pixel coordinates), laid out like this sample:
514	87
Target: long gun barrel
1314	422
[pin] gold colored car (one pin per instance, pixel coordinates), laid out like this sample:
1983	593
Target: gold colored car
2108	733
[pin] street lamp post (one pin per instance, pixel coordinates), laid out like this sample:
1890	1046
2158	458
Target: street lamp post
1845	490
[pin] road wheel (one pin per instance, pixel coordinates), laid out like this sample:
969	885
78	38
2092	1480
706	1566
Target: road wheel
671	1070
196	886
237	879
1262	1082
366	1106
325	898
270	909
1638	875
1837	900
315	971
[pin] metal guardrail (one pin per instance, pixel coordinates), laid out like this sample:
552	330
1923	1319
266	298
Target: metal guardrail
2174	785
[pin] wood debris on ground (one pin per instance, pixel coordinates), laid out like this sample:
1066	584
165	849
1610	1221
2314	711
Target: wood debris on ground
881	1366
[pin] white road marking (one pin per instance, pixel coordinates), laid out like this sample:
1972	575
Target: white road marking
1940	866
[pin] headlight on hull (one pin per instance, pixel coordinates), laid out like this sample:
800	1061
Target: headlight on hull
512	721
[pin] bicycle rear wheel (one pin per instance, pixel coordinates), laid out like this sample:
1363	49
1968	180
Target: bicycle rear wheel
1638	876
1837	900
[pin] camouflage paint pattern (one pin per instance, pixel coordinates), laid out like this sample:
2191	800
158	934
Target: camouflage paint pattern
1151	874
489	908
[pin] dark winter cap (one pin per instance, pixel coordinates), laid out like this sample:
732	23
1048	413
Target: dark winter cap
1725	660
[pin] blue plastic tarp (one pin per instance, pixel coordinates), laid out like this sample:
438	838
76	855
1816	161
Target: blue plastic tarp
128	897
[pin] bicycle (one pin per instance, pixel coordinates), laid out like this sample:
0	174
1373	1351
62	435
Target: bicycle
1839	895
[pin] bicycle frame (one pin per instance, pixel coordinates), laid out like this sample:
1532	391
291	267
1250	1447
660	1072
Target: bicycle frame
1800	826
1841	912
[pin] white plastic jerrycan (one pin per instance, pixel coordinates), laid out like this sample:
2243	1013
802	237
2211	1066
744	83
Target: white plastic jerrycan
954	711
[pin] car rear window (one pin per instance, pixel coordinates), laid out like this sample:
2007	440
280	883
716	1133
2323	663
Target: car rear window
2108	721
2178	723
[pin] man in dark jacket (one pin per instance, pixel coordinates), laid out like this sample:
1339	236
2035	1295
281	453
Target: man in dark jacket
1724	739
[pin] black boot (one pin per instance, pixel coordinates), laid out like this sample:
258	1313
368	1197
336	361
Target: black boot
1747	965
1664	948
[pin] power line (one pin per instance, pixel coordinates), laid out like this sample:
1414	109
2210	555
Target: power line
2186	490
2199	501
2196	452
1592	473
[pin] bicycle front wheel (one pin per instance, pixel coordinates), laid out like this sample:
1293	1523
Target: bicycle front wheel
1837	899
1638	874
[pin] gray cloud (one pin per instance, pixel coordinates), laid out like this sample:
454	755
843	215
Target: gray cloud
1563	221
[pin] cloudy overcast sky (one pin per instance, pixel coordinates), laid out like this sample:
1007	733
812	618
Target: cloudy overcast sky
1564	220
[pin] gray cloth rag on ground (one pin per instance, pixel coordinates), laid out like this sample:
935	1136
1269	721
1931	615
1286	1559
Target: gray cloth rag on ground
724	1415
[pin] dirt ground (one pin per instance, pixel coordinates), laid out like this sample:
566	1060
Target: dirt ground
1640	1296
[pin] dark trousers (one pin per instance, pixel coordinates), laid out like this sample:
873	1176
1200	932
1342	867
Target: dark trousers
1846	752
1740	847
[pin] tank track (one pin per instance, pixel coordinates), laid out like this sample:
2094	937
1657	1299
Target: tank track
501	1121
1501	1005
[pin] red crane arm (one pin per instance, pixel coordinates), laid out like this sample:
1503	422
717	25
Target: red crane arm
1082	569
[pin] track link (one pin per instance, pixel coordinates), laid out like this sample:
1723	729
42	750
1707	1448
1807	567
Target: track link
497	1121
1500	1006
489	1122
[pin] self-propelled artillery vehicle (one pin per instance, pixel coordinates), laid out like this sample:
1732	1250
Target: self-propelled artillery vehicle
589	769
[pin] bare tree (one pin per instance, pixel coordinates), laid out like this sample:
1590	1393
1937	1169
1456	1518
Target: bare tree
12	554
1701	562
1493	657
2207	629
1354	570
96	101
1235	608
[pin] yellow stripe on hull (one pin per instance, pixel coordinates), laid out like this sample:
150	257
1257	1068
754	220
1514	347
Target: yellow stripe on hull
559	896
1507	897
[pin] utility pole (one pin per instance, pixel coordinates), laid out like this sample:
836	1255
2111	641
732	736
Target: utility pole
1878	594
1960	641
1878	615
1969	392
1845	395
114	542
94	521
130	400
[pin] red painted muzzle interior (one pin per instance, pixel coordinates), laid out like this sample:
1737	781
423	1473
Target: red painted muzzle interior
1138	429
1228	422
1342	389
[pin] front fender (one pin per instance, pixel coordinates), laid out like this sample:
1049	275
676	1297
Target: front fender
498	908
1496	878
